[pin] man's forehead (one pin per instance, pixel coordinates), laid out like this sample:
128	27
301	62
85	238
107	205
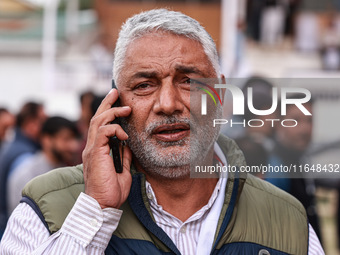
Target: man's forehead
153	47
163	40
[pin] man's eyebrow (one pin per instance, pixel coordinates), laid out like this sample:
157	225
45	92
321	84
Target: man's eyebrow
145	74
188	69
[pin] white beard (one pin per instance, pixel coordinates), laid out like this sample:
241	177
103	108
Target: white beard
171	159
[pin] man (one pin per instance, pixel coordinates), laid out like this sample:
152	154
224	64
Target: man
83	123
86	114
291	145
59	142
25	144
162	209
7	121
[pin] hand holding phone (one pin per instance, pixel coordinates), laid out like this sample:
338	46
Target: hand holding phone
101	181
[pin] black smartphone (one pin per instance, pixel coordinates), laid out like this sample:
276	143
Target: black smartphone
114	142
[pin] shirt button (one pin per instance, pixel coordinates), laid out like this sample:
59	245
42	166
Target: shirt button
183	229
93	222
150	196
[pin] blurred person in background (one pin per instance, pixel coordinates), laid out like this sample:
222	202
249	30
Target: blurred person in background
25	143
262	90
257	141
330	45
7	121
290	147
101	56
292	9
273	21
89	102
254	152
83	122
59	142
269	20
96	103
254	10
262	99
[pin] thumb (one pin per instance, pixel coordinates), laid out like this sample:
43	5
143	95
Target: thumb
125	176
127	158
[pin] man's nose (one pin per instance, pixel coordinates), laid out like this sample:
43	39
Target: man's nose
169	100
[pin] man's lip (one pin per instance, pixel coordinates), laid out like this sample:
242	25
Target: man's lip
171	127
171	132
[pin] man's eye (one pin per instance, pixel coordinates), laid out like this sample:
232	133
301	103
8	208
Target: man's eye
194	84
145	88
142	86
187	81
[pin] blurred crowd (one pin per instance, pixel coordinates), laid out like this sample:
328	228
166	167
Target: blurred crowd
268	22
32	143
267	144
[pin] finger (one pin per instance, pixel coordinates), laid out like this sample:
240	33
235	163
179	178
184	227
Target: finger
107	102
109	115
127	158
104	132
106	117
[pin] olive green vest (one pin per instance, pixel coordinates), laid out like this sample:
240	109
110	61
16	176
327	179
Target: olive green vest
260	213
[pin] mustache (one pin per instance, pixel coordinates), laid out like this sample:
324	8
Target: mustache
166	121
129	126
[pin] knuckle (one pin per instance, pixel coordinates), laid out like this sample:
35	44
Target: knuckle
101	130
115	126
93	120
85	154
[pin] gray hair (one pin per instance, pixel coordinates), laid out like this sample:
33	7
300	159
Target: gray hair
162	20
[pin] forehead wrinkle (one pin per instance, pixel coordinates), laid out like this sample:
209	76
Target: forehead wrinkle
160	70
188	69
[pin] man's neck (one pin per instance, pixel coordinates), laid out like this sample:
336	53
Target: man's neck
182	197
